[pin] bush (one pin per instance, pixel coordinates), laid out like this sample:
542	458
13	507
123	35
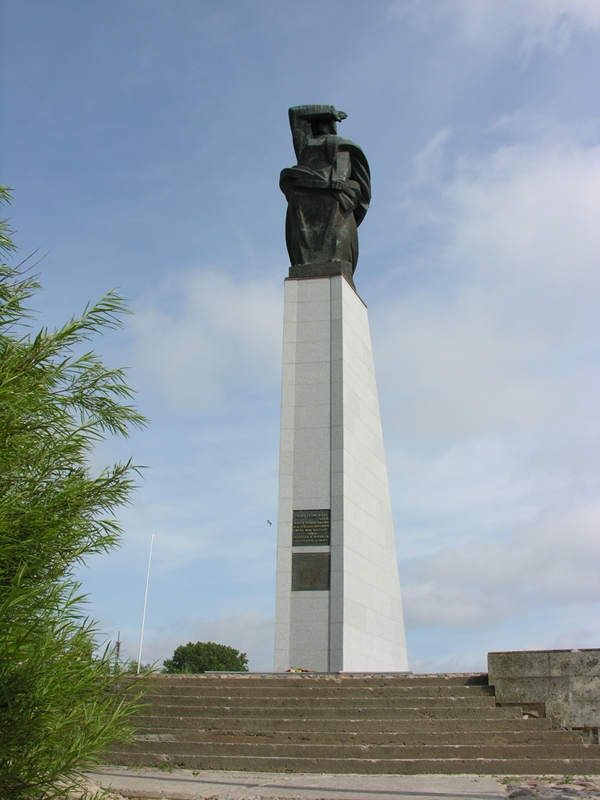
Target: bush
203	656
61	702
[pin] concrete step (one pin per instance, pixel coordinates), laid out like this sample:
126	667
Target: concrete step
418	766
315	680
324	712
319	691
377	725
333	703
386	724
414	738
358	751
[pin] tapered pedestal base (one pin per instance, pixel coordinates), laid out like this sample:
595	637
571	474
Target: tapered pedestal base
338	593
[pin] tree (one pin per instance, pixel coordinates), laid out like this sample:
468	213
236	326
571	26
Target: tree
61	702
203	656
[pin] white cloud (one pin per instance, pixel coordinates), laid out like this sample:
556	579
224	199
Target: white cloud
203	335
553	561
474	490
489	376
495	24
459	369
527	217
457	660
548	24
577	637
250	632
498	336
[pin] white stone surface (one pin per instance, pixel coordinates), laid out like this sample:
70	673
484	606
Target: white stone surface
332	456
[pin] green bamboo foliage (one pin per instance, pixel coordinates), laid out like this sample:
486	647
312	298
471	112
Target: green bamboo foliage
61	702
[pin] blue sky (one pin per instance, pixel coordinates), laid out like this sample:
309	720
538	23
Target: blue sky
143	141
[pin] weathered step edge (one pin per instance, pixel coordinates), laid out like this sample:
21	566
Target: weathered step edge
456	766
512	723
369	751
415	737
448	709
319	712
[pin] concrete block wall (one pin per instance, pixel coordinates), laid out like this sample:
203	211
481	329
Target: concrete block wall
565	682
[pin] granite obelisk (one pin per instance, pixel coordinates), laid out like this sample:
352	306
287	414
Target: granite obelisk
338	593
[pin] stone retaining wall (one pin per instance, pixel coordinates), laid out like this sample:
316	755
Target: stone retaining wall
564	683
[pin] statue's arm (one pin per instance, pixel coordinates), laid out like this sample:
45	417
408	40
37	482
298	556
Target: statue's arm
362	175
300	117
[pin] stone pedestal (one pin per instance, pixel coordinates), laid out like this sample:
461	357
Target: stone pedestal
338	593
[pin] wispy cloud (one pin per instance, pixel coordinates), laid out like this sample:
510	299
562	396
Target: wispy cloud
489	381
496	24
498	336
251	632
204	336
552	561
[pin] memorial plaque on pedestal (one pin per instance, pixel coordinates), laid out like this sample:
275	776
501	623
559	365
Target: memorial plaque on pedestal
310	572
311	527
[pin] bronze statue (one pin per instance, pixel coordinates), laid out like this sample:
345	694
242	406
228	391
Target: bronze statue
328	194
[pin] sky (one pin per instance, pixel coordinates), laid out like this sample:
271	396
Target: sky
143	141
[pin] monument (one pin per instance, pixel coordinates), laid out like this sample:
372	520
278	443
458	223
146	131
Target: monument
339	607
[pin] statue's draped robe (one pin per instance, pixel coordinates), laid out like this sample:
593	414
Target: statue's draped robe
328	195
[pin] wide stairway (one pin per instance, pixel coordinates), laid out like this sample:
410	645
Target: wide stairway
397	724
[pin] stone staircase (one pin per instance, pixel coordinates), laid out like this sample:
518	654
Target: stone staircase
394	724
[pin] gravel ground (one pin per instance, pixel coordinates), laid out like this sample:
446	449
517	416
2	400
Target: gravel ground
565	788
154	784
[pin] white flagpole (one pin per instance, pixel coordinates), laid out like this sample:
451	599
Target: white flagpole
145	603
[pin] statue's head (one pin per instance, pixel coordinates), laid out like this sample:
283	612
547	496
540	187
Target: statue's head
323	126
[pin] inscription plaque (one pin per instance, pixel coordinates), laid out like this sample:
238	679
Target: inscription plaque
310	572
311	527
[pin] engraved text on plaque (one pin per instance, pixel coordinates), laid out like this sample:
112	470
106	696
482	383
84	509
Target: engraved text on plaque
310	528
